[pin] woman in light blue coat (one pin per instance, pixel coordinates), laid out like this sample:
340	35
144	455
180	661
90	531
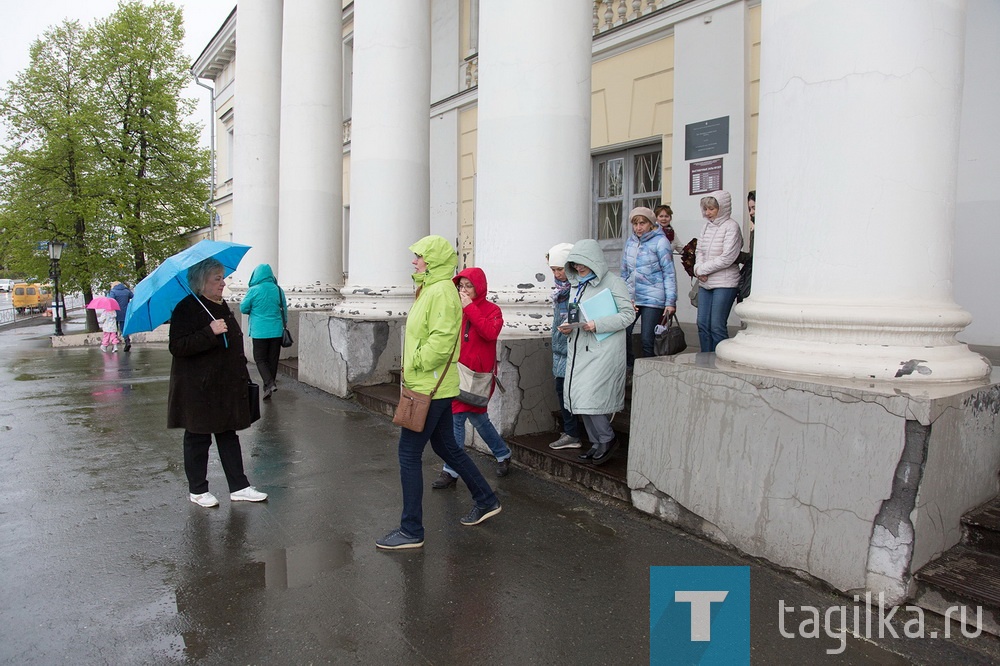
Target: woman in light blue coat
267	309
595	361
648	270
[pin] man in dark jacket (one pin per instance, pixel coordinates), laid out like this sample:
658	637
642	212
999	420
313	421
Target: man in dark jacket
123	295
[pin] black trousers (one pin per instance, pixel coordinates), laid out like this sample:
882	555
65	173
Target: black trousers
196	446
265	355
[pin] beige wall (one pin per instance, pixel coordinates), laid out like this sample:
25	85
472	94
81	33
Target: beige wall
632	98
467	124
463	29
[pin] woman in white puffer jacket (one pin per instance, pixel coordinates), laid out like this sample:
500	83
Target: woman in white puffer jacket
716	269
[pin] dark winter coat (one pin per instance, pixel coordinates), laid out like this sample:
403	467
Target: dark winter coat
123	295
208	380
482	322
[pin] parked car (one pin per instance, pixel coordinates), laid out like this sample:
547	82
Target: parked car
30	297
6	284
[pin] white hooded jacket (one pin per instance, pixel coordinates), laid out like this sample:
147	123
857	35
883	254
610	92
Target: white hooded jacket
719	246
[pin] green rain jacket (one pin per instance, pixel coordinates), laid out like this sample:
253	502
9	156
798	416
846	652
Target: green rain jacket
434	322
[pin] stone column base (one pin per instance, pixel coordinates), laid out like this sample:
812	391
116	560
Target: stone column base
339	351
899	344
858	484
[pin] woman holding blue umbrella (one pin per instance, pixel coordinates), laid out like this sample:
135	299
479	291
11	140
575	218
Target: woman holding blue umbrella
208	384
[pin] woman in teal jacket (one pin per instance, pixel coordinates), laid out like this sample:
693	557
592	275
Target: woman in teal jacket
267	309
430	341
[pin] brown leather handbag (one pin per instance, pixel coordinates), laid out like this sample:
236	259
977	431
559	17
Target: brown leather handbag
411	412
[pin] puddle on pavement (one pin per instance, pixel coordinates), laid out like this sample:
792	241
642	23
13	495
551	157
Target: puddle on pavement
26	377
288	568
584	520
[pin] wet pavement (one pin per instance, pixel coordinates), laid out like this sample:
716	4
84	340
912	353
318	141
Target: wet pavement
103	560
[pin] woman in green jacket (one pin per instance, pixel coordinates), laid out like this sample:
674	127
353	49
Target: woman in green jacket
430	355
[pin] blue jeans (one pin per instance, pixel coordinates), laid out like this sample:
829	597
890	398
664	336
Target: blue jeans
440	430
650	318
570	424
714	306
483	425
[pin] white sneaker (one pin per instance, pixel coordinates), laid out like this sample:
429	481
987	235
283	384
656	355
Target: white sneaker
114	349
565	442
104	348
248	494
207	500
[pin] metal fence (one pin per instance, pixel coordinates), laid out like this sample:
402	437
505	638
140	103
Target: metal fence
9	315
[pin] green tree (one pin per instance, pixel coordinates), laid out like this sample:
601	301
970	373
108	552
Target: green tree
47	169
100	155
153	172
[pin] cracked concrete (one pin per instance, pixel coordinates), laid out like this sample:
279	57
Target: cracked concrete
891	549
345	352
851	484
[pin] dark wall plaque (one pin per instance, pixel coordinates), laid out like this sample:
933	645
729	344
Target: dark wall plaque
706	138
706	176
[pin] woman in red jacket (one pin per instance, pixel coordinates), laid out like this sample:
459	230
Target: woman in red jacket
481	324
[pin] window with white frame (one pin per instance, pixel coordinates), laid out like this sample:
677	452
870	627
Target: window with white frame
623	180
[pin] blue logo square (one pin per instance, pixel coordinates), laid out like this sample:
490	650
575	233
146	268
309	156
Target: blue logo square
699	615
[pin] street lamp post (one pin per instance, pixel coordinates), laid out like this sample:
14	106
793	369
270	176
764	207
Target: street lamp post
55	254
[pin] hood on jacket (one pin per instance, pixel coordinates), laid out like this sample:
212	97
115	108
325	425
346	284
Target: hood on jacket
261	274
119	288
589	253
477	277
440	256
725	205
557	255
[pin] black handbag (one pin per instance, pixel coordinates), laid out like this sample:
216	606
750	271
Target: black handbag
746	277
286	338
253	397
669	337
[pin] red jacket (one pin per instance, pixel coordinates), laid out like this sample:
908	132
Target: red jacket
481	325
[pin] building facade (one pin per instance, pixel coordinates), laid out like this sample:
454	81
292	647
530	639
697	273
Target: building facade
348	130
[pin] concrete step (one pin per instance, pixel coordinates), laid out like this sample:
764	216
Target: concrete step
289	367
963	576
381	398
981	527
533	452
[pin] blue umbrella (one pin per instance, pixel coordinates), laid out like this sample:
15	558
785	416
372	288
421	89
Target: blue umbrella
159	292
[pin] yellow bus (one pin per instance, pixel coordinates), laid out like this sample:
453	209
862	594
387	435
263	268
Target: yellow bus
30	297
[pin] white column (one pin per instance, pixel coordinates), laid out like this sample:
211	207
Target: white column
533	179
859	119
310	198
255	159
390	144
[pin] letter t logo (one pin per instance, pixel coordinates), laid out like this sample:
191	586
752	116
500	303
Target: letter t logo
701	611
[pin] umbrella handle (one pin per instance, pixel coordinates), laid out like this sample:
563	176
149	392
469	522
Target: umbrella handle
225	340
